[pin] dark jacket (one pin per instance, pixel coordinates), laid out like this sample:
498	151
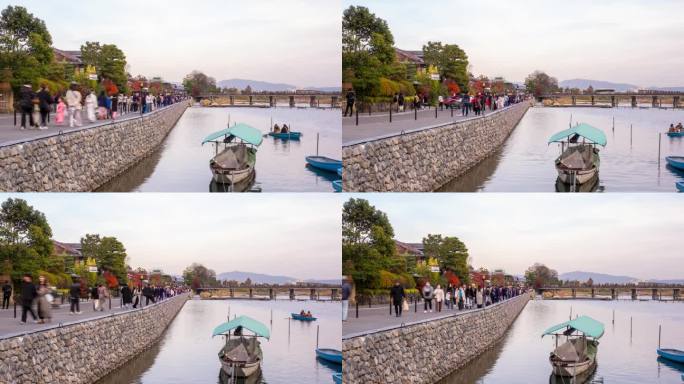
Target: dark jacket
94	294
26	97
45	99
126	294
346	291
28	293
6	289
351	97
397	294
148	292
102	101
75	291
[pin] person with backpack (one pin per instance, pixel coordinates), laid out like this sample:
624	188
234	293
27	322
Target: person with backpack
428	294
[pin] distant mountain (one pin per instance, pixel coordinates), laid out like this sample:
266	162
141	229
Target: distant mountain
597	278
257	86
262	278
672	281
597	84
324	89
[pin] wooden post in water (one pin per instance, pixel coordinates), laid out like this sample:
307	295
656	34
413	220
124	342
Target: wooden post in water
660	136
630	135
660	329
318	330
613	123
613	317
630	327
571	312
317	136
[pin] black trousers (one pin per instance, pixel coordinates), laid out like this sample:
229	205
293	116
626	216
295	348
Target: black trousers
350	109
428	304
5	301
27	308
75	304
148	299
44	117
398	307
27	111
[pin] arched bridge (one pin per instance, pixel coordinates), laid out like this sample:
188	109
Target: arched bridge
314	100
272	291
655	292
612	99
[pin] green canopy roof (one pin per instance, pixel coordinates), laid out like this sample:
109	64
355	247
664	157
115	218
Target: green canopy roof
241	131
244	322
584	324
595	135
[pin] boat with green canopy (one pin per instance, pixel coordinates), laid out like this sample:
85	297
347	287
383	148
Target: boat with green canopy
235	163
577	355
241	356
579	160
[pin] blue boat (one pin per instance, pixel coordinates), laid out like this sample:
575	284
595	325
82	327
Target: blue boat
337	185
331	355
299	317
672	354
676	134
680	186
676	162
286	136
339	171
337	378
324	163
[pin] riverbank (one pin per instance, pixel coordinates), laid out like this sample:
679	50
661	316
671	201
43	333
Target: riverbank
82	159
427	351
85	351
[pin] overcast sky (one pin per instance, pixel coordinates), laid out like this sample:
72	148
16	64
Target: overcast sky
295	235
638	235
295	42
631	41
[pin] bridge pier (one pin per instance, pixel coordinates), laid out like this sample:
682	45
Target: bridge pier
333	294
654	102
593	102
574	293
675	294
251	101
232	292
613	294
612	102
333	102
313	294
574	101
292	101
654	294
271	101
634	294
232	100
312	101
292	294
675	101
634	102
251	293
593	293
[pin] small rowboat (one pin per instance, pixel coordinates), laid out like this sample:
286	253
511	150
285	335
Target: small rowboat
676	161
331	355
337	378
286	136
337	185
297	316
672	354
680	186
676	134
579	161
324	163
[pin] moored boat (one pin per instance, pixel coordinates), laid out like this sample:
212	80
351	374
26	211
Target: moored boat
286	136
676	162
577	355
676	134
579	161
297	316
328	354
680	186
241	355
337	185
235	163
324	163
672	354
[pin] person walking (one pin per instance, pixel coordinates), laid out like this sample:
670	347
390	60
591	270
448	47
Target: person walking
136	297
395	101
6	294
26	97
148	292
115	106
346	292
61	110
28	295
73	101
126	296
95	298
44	301
75	297
351	99
402	100
428	294
397	294
101	106
44	103
103	295
439	297
91	104
465	104
479	297
460	297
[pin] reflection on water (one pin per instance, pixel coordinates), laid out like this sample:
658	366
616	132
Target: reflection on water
181	164
525	163
187	353
523	356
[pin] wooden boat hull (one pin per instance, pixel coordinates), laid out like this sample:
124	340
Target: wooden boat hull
286	136
324	163
578	176
567	368
675	134
676	162
241	368
234	176
671	354
331	355
299	317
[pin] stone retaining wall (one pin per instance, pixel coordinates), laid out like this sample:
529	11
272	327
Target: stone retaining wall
81	161
84	352
426	352
424	160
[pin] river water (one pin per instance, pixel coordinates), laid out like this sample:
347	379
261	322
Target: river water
522	356
187	353
181	164
525	163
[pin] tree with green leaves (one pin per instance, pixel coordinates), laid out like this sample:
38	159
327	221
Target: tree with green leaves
451	61
539	83
25	47
197	83
198	276
450	252
109	254
539	275
108	60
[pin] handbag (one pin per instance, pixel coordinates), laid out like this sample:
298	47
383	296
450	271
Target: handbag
49	298
404	305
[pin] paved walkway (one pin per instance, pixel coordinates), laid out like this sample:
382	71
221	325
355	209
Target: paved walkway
11	326
378	125
11	134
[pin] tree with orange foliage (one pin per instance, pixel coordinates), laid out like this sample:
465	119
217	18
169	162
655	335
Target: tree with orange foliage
110	279
109	87
452	86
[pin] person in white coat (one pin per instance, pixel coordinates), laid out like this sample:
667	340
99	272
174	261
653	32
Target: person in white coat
439	297
91	105
73	100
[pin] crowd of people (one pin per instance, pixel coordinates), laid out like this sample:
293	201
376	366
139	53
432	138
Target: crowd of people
675	128
42	297
36	107
460	297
